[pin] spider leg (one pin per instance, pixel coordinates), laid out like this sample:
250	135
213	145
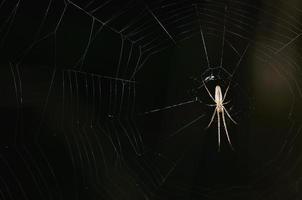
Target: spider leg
212	118
208	91
218	130
226	129
226	102
237	65
229	115
226	91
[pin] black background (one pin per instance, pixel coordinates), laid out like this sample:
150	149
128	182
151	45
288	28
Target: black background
79	117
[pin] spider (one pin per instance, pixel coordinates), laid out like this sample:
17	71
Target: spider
219	104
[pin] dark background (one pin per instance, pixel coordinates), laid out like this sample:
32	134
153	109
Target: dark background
105	99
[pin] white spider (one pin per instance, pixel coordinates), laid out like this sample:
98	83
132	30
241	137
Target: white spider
219	104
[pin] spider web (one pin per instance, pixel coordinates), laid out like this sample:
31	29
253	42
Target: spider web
107	99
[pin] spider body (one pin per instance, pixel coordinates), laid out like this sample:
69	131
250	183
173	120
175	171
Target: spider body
220	110
218	99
